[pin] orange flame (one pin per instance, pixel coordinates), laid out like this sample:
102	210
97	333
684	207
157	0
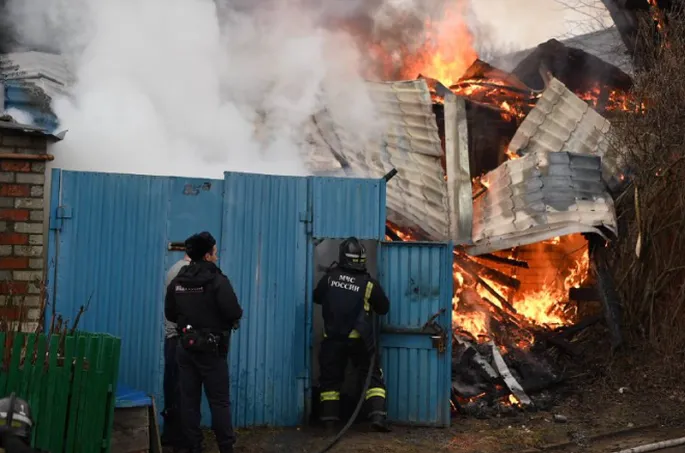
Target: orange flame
445	53
542	305
448	49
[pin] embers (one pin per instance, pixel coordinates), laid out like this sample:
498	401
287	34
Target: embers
487	382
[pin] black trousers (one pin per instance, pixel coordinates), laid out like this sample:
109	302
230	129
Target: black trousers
172	434
198	369
333	359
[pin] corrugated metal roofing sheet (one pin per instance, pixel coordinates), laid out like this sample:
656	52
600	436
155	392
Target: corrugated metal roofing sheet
32	80
49	72
322	142
420	195
30	130
417	195
540	196
561	121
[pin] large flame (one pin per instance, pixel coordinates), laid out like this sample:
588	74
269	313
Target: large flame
447	51
557	265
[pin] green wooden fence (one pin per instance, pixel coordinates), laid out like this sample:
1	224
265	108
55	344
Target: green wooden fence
69	381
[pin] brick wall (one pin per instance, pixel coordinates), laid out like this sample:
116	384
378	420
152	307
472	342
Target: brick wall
22	259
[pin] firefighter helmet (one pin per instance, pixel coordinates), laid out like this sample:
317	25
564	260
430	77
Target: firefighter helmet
352	254
15	417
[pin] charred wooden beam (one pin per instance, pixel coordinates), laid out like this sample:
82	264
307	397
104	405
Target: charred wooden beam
607	291
559	338
479	193
505	304
505	261
392	235
478	359
474	267
582	325
563	345
584	294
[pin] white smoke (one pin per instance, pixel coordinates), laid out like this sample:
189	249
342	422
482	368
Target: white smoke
19	116
174	87
522	24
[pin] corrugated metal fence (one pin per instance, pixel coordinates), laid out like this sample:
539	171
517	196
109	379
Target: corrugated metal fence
109	244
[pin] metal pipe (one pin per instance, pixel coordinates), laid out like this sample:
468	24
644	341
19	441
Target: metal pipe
389	175
655	446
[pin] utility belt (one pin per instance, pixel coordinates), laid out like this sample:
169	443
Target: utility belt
201	340
353	334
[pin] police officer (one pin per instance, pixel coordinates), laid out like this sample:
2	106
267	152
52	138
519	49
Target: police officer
173	434
16	425
202	303
348	294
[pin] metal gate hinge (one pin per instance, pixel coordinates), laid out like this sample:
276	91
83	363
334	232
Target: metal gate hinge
306	216
63	212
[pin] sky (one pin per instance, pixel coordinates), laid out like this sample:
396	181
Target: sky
522	24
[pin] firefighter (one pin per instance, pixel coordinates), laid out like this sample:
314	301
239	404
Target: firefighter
348	294
172	434
16	425
202	303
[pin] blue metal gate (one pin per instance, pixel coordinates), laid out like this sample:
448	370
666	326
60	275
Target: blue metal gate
107	249
416	334
265	250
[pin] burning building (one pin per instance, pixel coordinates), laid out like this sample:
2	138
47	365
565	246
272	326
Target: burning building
516	168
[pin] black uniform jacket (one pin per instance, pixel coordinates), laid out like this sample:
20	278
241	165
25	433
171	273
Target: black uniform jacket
202	296
347	297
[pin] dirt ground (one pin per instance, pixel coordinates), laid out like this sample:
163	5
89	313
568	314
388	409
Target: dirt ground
607	408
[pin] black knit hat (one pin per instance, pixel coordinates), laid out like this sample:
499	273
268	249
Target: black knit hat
198	245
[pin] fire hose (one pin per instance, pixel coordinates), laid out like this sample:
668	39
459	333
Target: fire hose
360	403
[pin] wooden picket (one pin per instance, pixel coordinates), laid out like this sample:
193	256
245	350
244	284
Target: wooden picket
69	381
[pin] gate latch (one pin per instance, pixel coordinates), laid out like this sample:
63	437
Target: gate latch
439	343
439	336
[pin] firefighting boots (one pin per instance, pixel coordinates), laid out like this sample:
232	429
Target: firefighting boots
329	427
380	424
